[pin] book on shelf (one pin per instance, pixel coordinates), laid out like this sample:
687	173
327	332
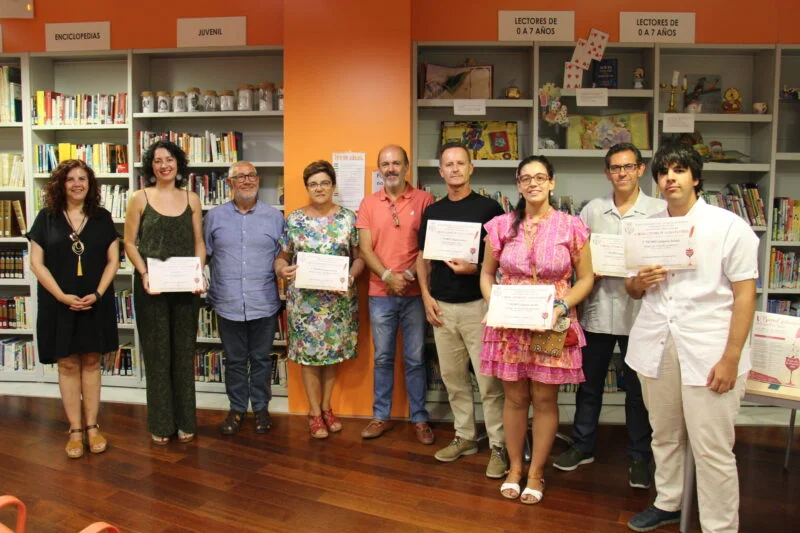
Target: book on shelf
209	365
783	307
51	108
10	94
17	355
741	199
12	218
280	368
207	147
212	188
114	198
783	269
13	263
123	305
12	170
15	312
785	219
106	158
208	323
120	362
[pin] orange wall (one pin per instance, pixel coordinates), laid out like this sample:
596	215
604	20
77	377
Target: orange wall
347	71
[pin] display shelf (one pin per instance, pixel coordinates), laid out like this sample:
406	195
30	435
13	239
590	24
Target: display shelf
589	154
477	163
616	93
784	244
726	117
13	189
19	375
210	114
257	164
13	240
444	102
98	175
126	327
11	124
80	127
787	156
16	331
218	387
783	291
736	167
15	282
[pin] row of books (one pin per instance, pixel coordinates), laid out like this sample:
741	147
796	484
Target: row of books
123	303
207	147
121	362
209	367
114	198
785	219
12	170
51	108
13	263
213	188
783	307
742	199
15	312
208	324
102	157
12	218
784	269
10	94
17	354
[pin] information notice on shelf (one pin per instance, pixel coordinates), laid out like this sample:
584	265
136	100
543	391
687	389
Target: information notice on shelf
646	27
591	97
678	123
536	26
71	36
215	31
350	170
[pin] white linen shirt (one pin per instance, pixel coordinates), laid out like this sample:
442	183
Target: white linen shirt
609	309
695	306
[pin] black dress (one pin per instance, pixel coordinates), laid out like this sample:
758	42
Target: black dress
59	331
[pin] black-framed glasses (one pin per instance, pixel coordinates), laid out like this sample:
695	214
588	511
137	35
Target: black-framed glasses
538	179
245	177
628	168
320	185
395	217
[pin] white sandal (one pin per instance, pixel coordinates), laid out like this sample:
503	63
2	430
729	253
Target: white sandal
538	494
510	486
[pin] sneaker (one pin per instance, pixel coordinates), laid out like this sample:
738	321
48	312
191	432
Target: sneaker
653	518
456	449
572	459
232	423
498	463
639	474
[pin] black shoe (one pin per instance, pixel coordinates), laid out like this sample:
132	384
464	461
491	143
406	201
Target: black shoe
263	421
231	425
639	474
653	518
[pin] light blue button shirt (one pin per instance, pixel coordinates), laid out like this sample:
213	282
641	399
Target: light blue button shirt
243	247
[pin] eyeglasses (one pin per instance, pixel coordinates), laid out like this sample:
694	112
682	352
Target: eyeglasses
395	217
245	177
321	185
538	179
628	167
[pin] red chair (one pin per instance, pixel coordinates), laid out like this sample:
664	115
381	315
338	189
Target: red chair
22	514
97	527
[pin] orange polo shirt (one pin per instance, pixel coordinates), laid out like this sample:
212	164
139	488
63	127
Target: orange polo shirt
395	245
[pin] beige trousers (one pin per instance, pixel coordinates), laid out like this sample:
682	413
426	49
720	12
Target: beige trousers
458	341
707	418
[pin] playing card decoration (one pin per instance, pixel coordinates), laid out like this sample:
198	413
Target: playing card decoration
597	44
573	76
581	56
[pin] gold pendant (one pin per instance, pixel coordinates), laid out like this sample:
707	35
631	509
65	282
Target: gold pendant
80	267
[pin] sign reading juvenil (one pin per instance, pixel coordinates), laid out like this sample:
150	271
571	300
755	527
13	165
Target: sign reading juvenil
536	26
636	27
69	36
219	31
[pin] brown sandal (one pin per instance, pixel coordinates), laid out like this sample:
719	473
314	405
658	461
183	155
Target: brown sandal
332	421
97	442
74	448
316	427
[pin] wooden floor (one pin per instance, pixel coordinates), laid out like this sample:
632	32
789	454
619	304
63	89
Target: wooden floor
284	481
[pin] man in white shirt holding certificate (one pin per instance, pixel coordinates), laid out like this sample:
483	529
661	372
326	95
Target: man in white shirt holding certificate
607	317
455	307
688	346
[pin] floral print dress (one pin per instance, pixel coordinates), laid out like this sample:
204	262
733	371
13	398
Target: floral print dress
550	245
323	325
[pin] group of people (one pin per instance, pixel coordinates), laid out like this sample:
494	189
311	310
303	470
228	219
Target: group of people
681	333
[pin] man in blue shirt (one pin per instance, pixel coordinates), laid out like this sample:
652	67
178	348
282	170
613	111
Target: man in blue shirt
242	243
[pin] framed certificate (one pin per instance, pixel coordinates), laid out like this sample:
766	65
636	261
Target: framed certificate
664	241
446	240
176	274
608	254
521	306
322	272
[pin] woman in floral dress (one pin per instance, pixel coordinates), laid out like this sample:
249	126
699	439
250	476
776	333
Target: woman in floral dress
323	325
534	244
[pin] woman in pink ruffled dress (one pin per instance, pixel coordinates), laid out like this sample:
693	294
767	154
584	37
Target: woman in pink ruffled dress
534	244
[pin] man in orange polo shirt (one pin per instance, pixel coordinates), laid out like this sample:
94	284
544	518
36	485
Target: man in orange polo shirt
388	223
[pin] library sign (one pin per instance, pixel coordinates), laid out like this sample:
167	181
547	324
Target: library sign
536	26
637	27
71	36
219	31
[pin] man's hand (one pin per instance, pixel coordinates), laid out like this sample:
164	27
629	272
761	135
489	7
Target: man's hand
397	285
461	267
649	276
432	311
722	377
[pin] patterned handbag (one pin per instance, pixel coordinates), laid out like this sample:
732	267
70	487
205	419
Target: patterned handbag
551	342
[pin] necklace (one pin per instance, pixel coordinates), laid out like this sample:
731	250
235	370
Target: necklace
77	245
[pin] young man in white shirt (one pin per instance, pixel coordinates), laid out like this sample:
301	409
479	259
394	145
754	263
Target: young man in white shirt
687	344
607	317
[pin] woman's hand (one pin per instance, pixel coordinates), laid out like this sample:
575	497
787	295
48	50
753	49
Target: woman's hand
146	284
74	303
89	300
288	273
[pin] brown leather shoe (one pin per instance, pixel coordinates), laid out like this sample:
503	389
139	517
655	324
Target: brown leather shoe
375	429
424	433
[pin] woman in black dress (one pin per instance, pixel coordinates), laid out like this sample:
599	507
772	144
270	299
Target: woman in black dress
75	256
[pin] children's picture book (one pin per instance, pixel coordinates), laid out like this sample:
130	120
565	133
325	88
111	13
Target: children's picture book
604	73
703	93
599	132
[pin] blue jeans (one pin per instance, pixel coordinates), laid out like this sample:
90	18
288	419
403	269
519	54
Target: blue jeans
248	341
386	313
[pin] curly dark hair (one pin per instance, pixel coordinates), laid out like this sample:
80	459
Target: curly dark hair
316	167
180	157
56	192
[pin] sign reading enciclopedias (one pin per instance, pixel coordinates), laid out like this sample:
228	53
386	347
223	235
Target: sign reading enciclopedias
69	36
643	27
536	26
219	31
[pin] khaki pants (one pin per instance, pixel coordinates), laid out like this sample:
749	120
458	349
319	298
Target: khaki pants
707	418
458	341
